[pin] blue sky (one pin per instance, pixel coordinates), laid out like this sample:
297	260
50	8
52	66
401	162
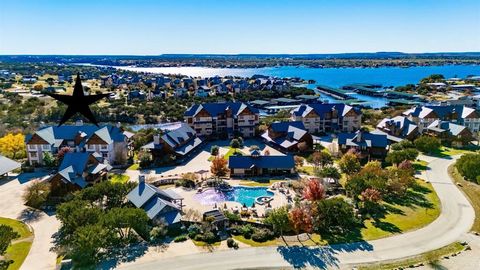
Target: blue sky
144	27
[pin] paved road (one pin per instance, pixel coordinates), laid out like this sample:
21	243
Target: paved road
44	226
454	222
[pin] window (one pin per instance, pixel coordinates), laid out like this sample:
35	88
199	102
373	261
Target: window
104	147
33	154
91	147
46	147
32	147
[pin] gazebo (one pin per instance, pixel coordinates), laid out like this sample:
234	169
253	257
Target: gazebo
7	165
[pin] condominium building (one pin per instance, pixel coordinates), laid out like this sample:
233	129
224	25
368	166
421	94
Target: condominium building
109	141
226	119
319	117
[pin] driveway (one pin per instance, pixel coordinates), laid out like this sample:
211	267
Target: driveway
454	222
44	226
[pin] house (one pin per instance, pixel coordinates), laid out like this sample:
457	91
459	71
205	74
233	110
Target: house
179	142
160	204
109	141
425	115
286	136
7	165
329	117
203	91
398	128
447	131
258	165
78	170
180	92
223	119
136	95
368	144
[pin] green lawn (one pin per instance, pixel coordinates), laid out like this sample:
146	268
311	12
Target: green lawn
232	151
17	226
119	178
252	183
419	208
445	151
134	167
420	165
18	251
205	244
429	258
472	191
307	170
250	242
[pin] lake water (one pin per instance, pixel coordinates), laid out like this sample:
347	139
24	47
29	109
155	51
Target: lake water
335	77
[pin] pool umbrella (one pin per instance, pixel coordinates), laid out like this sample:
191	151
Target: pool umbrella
244	205
253	205
225	206
215	206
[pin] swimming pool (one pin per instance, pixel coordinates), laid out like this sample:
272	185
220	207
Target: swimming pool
243	195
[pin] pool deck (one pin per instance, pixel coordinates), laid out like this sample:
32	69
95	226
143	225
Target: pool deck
279	199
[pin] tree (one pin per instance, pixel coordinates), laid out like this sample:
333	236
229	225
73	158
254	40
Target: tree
399	181
86	244
329	172
214	150
61	153
349	164
75	214
302	146
395	157
48	159
13	146
144	159
322	158
279	220
7	234
427	144
219	166
158	232
36	194
334	215
38	87
123	221
298	161
301	220
234	143
370	176
314	190
370	199
468	165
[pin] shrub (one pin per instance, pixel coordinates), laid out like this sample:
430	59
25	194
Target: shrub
214	150
231	243
427	144
234	143
36	194
247	231
180	238
468	166
209	237
231	216
7	234
262	235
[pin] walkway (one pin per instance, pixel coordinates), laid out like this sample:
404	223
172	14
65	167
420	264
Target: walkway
44	226
454	222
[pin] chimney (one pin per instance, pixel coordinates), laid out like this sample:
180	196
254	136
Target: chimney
79	123
156	139
119	125
359	136
141	178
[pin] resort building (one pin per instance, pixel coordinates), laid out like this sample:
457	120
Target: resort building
398	128
227	119
461	115
458	135
258	165
159	204
78	170
288	136
7	165
366	143
179	142
318	117
111	142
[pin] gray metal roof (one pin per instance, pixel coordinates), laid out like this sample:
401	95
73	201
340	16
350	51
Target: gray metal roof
8	165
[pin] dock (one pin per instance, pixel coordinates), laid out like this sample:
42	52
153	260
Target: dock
333	92
365	89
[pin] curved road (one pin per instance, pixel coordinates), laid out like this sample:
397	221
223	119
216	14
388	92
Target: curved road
455	220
